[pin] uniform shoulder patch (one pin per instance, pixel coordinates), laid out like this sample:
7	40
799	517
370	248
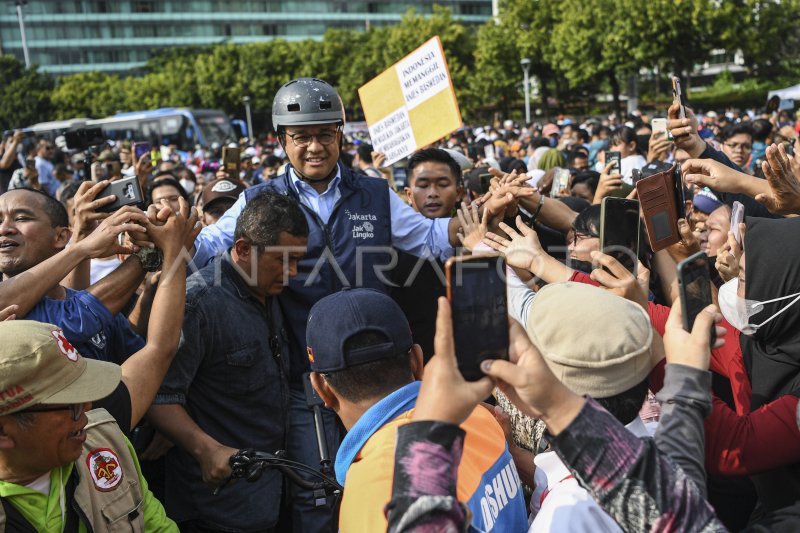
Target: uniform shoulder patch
105	469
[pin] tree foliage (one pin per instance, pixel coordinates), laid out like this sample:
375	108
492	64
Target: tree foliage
24	94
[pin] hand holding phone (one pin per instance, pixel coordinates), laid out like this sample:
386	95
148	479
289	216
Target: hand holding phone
616	159
127	190
141	149
659	126
560	183
694	284
476	290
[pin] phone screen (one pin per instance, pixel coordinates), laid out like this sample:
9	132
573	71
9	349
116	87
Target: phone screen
142	149
616	158
485	181
476	289
694	279
619	231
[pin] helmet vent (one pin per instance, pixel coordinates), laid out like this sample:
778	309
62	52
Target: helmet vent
293	107
325	104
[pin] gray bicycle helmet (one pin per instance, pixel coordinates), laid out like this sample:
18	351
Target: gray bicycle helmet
306	102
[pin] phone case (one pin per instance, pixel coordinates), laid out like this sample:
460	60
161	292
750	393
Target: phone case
659	195
737	217
128	192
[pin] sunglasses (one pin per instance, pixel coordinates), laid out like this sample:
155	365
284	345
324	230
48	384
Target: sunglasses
76	408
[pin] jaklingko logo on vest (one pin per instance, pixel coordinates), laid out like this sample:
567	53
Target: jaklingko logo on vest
105	469
362	227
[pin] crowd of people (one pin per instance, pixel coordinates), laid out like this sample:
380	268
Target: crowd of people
298	307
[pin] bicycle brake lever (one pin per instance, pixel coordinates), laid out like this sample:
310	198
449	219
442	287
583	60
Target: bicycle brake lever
222	486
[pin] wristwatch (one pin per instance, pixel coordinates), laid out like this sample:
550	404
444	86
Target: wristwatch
150	258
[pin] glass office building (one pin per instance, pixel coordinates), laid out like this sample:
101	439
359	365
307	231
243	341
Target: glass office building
66	36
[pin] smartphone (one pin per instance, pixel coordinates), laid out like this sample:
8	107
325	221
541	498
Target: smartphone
659	126
560	182
127	190
142	149
694	284
677	93
616	158
662	203
231	162
619	231
485	181
737	217
476	289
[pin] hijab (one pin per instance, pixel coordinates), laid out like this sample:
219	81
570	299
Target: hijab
772	270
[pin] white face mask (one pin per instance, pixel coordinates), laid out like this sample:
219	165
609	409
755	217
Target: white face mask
188	186
738	311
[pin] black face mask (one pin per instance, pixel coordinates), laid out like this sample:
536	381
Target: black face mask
576	264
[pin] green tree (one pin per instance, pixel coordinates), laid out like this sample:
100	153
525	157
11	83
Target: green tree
24	94
88	94
493	82
767	33
674	35
526	31
218	80
589	44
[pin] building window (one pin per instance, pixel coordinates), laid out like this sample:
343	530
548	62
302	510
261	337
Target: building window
143	6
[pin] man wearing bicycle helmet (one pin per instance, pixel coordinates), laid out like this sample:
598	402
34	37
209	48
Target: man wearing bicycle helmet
354	221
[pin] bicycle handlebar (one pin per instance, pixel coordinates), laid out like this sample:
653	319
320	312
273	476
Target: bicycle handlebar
250	464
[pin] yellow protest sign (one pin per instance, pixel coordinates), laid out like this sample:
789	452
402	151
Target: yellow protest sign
412	103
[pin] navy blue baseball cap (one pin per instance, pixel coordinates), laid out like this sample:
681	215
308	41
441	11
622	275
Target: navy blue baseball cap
338	317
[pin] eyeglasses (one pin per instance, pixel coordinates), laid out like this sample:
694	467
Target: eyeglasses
301	140
76	408
744	147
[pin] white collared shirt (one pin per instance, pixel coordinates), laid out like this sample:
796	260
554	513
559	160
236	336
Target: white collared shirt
568	507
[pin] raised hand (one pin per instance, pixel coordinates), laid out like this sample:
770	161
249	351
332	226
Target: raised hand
473	225
521	249
783	176
728	256
102	242
608	184
714	175
620	281
86	205
178	231
687	246
658	147
684	130
445	395
692	348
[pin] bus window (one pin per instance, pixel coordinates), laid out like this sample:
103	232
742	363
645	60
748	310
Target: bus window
214	128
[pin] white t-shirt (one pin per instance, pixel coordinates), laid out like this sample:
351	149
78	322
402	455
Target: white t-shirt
567	507
628	164
100	268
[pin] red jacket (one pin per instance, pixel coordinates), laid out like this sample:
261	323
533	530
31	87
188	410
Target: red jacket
743	442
